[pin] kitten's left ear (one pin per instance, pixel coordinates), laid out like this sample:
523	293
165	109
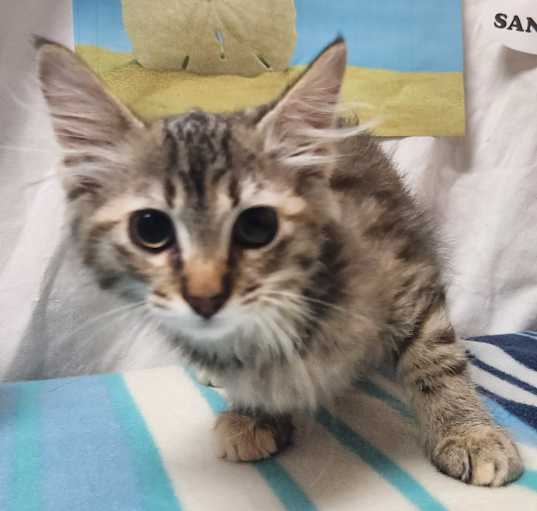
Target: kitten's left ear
84	114
295	126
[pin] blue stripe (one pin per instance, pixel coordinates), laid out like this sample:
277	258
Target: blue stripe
24	492
93	469
411	489
526	335
284	487
522	433
529	479
524	412
154	485
8	407
377	392
288	491
503	376
523	352
388	370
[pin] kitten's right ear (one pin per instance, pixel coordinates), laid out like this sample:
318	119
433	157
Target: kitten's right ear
84	114
299	128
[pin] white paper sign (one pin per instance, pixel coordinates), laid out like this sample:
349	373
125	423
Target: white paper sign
513	23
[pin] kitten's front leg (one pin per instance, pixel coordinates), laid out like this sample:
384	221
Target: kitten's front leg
249	436
459	435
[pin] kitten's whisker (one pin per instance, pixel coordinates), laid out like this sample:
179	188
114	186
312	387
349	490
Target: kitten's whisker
316	321
45	179
292	355
89	340
281	347
24	149
321	136
281	277
291	299
144	328
286	306
266	333
290	295
273	327
24	106
123	309
285	328
100	329
298	311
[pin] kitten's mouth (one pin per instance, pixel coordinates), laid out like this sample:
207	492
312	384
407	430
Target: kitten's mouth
198	328
206	324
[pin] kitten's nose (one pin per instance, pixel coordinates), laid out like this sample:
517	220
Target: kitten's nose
206	306
205	285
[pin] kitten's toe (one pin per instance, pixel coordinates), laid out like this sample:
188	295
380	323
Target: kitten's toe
206	378
485	457
245	438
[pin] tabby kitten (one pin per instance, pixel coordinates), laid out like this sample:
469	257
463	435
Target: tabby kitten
280	251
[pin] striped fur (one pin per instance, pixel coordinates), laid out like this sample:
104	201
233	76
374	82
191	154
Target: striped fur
352	276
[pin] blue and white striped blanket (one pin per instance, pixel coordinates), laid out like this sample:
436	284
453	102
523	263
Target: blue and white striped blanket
141	441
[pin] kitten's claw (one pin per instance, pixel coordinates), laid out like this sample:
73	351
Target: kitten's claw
206	378
245	438
484	457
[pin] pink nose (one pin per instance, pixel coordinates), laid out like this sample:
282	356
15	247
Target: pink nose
206	306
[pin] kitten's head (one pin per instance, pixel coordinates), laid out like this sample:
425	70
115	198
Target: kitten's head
222	225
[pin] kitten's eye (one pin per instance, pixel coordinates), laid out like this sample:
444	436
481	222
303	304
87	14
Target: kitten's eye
152	230
255	227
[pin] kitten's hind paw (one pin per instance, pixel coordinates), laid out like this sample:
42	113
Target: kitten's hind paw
242	437
483	456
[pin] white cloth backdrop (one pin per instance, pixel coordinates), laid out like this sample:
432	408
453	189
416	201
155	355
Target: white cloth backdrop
481	191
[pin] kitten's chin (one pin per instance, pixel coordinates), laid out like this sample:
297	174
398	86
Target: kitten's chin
200	330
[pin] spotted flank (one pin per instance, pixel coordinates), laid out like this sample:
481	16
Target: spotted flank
143	441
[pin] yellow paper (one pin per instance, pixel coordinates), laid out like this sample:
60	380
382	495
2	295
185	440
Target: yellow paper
402	103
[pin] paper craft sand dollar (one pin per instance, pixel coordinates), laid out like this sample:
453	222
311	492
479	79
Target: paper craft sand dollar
245	37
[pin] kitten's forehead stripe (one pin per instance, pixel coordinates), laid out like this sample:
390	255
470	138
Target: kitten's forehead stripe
218	175
202	155
170	192
234	190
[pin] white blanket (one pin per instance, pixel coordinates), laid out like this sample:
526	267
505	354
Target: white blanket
119	442
481	190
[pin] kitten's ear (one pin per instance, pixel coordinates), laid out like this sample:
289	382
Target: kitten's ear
84	114
308	108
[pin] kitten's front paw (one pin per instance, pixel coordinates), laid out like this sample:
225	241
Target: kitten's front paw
245	438
485	456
